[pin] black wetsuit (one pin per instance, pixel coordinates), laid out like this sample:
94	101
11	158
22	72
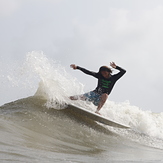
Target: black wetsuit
105	85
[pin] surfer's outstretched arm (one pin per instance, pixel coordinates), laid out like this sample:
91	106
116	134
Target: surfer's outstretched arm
84	70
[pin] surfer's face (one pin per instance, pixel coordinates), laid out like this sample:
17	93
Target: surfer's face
105	74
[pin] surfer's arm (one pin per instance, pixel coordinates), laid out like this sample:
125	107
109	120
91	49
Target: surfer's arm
87	71
120	74
84	70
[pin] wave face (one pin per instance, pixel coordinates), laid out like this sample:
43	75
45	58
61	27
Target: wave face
41	129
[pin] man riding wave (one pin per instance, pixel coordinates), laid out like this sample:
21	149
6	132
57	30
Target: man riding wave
105	85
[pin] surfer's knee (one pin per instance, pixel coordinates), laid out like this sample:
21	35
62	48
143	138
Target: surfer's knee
83	98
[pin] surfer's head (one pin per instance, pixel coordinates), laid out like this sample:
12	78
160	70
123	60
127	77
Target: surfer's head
105	71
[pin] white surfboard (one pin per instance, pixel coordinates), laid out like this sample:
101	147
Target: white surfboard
95	117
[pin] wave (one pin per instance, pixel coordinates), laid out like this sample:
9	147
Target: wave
44	118
57	85
29	123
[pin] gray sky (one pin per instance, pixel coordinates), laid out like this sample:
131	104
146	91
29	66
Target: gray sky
89	33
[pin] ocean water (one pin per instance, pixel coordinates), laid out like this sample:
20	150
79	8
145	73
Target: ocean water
40	128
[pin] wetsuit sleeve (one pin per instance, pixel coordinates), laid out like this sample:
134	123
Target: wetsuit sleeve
120	74
88	72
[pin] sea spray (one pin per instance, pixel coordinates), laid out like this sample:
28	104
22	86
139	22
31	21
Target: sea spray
55	85
17	81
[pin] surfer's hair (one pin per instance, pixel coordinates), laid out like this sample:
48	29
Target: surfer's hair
105	68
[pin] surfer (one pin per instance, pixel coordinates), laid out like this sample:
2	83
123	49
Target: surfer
105	85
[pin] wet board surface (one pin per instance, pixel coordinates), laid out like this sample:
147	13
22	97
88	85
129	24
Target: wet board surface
94	116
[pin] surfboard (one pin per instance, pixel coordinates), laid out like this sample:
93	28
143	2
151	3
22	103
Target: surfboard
96	117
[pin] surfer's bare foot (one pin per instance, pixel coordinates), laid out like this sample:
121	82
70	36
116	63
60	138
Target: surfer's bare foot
97	112
73	98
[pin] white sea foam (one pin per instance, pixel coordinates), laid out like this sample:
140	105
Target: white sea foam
145	122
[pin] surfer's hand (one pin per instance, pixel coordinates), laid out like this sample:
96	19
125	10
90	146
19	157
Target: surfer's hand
73	66
113	65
